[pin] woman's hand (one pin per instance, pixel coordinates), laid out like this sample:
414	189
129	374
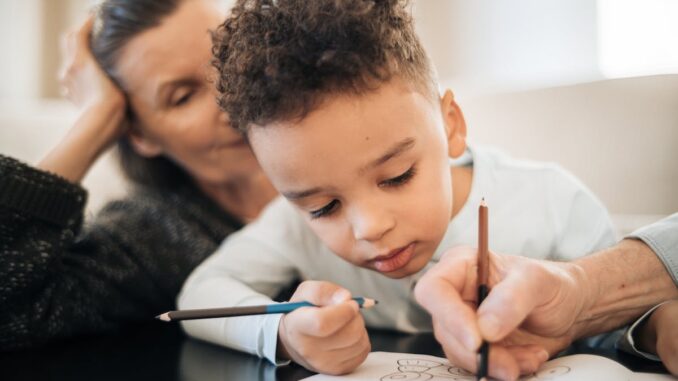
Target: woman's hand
660	335
82	80
102	108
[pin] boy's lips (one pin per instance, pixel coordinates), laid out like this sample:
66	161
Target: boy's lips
394	260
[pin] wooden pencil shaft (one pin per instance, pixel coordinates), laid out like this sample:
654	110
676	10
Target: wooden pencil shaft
208	313
278	308
483	249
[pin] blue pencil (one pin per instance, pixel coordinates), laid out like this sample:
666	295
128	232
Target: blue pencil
276	308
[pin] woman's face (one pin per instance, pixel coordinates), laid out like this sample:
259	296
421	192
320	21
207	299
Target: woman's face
166	73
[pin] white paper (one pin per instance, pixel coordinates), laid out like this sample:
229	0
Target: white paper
386	366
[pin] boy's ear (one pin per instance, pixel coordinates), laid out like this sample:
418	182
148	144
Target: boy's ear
455	124
143	145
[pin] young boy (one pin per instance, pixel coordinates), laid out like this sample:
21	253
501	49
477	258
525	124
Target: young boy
341	108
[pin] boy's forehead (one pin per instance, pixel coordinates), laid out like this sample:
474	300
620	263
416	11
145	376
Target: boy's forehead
341	136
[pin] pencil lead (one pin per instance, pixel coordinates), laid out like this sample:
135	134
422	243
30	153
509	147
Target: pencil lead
367	303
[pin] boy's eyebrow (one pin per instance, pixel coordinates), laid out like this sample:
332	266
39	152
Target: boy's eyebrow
396	150
296	195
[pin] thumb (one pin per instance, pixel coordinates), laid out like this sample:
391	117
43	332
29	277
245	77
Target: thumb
510	301
320	293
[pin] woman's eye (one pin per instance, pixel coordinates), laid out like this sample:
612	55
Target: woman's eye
325	210
399	180
182	98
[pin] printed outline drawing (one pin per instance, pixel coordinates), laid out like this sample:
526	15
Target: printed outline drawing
430	370
425	370
548	373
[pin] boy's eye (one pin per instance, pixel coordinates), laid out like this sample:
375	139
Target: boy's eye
399	180
325	210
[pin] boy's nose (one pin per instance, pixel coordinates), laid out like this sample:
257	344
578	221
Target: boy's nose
371	223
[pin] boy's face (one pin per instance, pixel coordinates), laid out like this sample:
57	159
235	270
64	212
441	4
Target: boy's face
371	175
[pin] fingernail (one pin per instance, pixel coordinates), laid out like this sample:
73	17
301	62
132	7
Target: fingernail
543	355
340	296
489	326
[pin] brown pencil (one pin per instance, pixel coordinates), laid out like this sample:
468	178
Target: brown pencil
483	275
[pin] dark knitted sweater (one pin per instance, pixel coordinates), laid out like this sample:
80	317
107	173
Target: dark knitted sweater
60	278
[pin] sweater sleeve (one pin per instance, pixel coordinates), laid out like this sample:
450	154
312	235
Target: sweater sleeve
60	278
249	268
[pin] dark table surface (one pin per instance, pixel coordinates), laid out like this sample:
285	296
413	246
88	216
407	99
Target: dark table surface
162	352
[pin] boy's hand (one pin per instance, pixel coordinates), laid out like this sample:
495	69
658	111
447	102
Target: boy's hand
329	339
660	335
529	313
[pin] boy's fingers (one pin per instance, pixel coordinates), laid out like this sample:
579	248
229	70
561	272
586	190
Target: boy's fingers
325	321
320	293
353	334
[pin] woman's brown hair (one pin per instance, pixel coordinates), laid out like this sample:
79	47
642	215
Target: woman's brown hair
117	22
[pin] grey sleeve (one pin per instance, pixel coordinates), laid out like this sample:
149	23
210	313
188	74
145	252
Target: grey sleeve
662	238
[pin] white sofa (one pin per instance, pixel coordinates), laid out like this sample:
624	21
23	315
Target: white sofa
619	136
29	129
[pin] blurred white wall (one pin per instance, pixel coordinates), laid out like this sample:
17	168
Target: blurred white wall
20	36
489	46
529	74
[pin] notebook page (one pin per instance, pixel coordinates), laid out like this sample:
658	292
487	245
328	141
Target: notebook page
386	366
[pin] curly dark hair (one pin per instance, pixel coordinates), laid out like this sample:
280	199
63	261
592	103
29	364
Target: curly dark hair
279	59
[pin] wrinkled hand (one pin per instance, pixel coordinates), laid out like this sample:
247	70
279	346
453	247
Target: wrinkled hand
529	314
329	339
83	81
664	329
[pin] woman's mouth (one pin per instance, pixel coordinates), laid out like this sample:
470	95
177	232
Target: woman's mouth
394	260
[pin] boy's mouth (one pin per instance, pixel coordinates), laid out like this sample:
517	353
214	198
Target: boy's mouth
394	260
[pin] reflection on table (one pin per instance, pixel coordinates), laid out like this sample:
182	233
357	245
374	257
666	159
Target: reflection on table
162	352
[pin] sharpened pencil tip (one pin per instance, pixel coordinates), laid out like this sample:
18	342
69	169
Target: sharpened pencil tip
164	317
482	202
369	303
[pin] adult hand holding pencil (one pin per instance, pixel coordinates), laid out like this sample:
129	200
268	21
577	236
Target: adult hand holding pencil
469	288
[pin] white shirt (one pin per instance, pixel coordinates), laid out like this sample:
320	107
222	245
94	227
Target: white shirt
536	210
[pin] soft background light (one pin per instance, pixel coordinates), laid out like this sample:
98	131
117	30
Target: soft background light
571	81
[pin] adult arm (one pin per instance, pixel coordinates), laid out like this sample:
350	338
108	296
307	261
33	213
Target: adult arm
102	109
59	279
540	305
